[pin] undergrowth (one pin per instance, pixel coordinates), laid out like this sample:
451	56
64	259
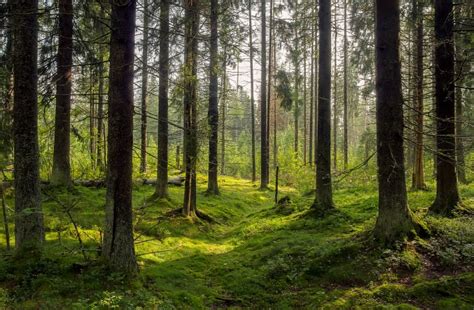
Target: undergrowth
255	254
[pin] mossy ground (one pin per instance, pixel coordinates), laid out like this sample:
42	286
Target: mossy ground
256	255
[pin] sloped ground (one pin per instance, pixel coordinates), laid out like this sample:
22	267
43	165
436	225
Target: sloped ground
254	255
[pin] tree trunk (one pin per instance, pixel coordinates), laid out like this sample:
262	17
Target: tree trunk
92	119
264	177
161	190
305	114
395	219
323	201
61	163
346	135
311	93
190	102
118	245
29	229
335	111
269	87
252	99
213	111
418	170
101	138
6	111
447	195
462	67
316	86
143	125
297	81
100	118
223	110
275	113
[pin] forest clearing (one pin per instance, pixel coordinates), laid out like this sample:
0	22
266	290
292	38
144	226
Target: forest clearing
244	154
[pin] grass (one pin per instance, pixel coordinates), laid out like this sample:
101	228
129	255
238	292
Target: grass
255	256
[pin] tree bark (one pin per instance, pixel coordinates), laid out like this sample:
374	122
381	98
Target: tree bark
395	220
223	110
29	229
61	162
252	99
101	136
447	195
305	113
323	201
418	169
312	89
92	121
270	74
190	102
264	175
162	179
118	245
335	111
346	125
297	82
316	82
100	118
6	111
144	99
462	67
213	110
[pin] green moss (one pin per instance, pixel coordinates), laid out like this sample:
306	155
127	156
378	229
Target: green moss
254	256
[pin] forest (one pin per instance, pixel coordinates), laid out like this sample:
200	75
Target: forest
237	154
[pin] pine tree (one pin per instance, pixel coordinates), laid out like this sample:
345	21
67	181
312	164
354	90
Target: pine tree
213	110
118	246
447	195
161	190
323	201
395	220
29	228
61	163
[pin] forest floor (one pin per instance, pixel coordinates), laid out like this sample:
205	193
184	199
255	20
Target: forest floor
254	255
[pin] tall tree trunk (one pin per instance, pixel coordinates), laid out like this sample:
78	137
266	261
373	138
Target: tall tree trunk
346	125
270	74
460	159
190	102
101	139
252	99
447	195
223	110
297	81
409	131
144	99
161	190
92	120
335	111
305	114
323	201
29	229
264	176
418	169
6	111
61	163
213	111
275	113
462	66
316	83
395	219
100	118
312	94
118	245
